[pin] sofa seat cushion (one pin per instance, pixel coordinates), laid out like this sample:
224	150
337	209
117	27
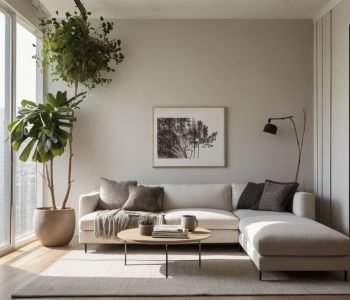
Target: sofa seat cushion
207	217
87	222
245	213
293	236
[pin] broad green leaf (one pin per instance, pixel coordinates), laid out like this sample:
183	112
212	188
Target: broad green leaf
65	124
44	156
57	150
25	102
27	150
16	145
70	118
36	156
62	133
52	100
17	133
61	97
47	145
43	107
75	98
12	125
50	107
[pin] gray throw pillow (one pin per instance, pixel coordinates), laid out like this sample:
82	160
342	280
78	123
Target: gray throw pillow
251	195
114	194
275	196
142	198
289	198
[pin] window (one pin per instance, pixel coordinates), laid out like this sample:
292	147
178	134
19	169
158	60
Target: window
20	186
5	173
25	172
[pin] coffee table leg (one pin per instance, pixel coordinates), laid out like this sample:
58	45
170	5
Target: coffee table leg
200	253
125	252
166	260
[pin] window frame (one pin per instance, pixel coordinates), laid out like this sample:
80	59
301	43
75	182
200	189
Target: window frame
10	70
8	117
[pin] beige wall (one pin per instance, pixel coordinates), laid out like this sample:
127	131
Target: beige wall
256	68
332	116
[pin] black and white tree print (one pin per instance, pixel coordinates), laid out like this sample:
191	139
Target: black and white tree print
183	138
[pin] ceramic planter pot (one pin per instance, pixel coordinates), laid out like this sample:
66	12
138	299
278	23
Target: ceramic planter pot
146	229
54	228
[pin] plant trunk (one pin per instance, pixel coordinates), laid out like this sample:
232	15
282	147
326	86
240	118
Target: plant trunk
70	160
49	180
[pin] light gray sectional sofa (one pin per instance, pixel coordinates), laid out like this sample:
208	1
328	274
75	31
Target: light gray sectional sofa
274	240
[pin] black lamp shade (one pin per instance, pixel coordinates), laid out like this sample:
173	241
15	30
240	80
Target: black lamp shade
270	128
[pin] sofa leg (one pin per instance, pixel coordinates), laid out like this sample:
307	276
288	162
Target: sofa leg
346	275
260	275
85	247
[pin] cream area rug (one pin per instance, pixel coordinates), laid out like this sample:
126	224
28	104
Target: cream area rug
224	271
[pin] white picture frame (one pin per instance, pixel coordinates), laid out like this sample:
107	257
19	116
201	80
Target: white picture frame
188	137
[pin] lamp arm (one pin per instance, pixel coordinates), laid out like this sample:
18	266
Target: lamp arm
304	126
300	144
296	133
282	118
299	149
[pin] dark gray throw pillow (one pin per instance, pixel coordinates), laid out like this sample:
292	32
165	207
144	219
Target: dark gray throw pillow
250	196
142	198
289	198
114	194
276	195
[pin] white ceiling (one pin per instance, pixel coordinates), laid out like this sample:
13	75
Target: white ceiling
194	9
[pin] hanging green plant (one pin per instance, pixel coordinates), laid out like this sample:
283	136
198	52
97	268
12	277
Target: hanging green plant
78	52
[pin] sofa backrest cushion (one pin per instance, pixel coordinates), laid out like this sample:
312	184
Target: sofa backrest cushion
197	196
237	190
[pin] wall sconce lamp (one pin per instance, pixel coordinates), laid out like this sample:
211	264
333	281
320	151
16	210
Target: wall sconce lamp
272	128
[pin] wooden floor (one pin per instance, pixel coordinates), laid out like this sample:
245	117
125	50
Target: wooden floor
24	264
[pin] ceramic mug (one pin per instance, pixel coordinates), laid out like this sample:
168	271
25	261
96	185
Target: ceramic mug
189	222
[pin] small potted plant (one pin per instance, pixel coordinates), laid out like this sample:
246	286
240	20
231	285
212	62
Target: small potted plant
146	223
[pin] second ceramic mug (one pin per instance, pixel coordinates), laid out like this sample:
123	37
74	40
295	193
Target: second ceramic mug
189	222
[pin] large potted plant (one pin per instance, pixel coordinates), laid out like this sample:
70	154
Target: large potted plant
41	133
76	53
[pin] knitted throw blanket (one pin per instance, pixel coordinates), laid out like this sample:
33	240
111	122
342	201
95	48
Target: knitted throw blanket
109	222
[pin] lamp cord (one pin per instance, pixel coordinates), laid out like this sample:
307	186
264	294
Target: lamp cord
299	144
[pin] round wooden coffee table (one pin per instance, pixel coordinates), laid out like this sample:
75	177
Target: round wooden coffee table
133	236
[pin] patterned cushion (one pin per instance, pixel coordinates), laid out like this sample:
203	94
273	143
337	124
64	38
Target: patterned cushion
114	194
276	195
142	198
289	198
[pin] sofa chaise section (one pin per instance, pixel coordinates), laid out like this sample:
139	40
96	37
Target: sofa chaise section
285	242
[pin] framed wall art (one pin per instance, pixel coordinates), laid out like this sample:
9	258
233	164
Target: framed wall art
188	137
